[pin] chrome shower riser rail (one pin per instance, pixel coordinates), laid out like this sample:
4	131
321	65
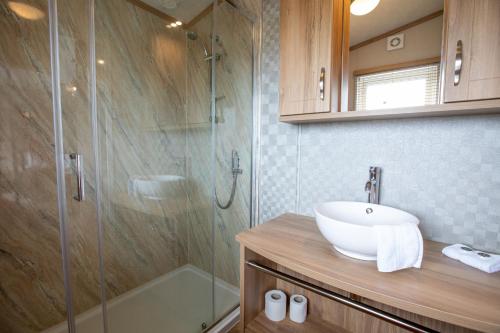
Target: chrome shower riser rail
388	317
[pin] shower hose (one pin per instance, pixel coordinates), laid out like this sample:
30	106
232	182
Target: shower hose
231	197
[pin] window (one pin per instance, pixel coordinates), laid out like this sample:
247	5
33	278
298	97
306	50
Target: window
403	87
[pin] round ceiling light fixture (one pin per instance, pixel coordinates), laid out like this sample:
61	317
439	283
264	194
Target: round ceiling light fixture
363	7
25	11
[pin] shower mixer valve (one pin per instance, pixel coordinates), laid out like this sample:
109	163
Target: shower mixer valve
235	166
236	163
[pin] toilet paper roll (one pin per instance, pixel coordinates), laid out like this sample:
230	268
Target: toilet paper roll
275	305
298	308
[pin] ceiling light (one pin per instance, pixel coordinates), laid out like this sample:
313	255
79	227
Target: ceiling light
178	23
100	61
25	11
363	7
173	25
71	89
169	26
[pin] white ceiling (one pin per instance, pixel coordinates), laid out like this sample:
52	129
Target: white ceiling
182	10
388	15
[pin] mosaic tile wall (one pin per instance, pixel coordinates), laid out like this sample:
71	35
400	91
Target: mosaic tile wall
443	170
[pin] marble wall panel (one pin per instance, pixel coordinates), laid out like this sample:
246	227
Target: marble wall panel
141	111
31	284
153	95
232	130
234	79
142	86
199	146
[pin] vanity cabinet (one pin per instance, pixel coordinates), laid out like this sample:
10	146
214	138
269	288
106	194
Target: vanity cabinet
310	56
472	50
290	254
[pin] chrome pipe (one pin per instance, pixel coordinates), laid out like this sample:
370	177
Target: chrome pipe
386	316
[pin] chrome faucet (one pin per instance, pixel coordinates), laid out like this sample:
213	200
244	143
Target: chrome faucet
372	186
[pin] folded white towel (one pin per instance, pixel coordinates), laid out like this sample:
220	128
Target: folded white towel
487	262
398	246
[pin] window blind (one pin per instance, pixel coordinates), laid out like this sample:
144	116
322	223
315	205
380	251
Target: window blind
403	87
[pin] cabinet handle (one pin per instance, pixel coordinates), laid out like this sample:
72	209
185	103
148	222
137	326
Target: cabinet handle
458	64
322	84
80	196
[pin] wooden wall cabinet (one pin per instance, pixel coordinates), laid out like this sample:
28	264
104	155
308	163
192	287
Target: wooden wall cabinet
314	39
471	50
310	56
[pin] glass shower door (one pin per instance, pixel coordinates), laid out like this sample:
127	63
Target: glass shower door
233	46
82	236
49	251
148	118
155	203
33	295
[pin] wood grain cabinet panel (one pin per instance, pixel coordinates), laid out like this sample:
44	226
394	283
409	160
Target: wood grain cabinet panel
476	23
443	295
310	40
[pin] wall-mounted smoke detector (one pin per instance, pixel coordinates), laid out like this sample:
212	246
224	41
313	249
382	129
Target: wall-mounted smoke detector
395	42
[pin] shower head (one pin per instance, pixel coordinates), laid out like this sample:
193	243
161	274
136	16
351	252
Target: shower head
192	35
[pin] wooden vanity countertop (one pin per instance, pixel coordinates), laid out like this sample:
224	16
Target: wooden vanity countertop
443	289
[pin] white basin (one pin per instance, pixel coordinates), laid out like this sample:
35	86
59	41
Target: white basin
349	225
156	187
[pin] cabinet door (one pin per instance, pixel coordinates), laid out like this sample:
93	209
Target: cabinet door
306	39
476	24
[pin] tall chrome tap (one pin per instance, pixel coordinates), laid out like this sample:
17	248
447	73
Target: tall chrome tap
372	186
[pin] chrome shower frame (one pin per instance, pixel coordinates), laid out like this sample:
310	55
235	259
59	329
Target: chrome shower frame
229	320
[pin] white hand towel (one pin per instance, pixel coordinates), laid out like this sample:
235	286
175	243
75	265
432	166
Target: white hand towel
398	247
488	264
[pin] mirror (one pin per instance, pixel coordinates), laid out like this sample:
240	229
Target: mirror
394	55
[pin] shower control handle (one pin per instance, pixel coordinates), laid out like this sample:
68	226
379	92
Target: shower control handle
80	181
235	162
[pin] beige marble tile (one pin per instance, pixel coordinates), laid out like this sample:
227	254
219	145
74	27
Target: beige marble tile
141	86
141	95
31	281
233	130
153	95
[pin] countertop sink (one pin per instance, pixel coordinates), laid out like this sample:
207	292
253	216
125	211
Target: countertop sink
348	225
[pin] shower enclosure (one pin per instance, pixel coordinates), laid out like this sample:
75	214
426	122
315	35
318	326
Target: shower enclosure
126	162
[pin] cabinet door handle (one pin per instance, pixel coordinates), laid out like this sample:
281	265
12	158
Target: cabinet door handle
322	84
80	181
458	64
